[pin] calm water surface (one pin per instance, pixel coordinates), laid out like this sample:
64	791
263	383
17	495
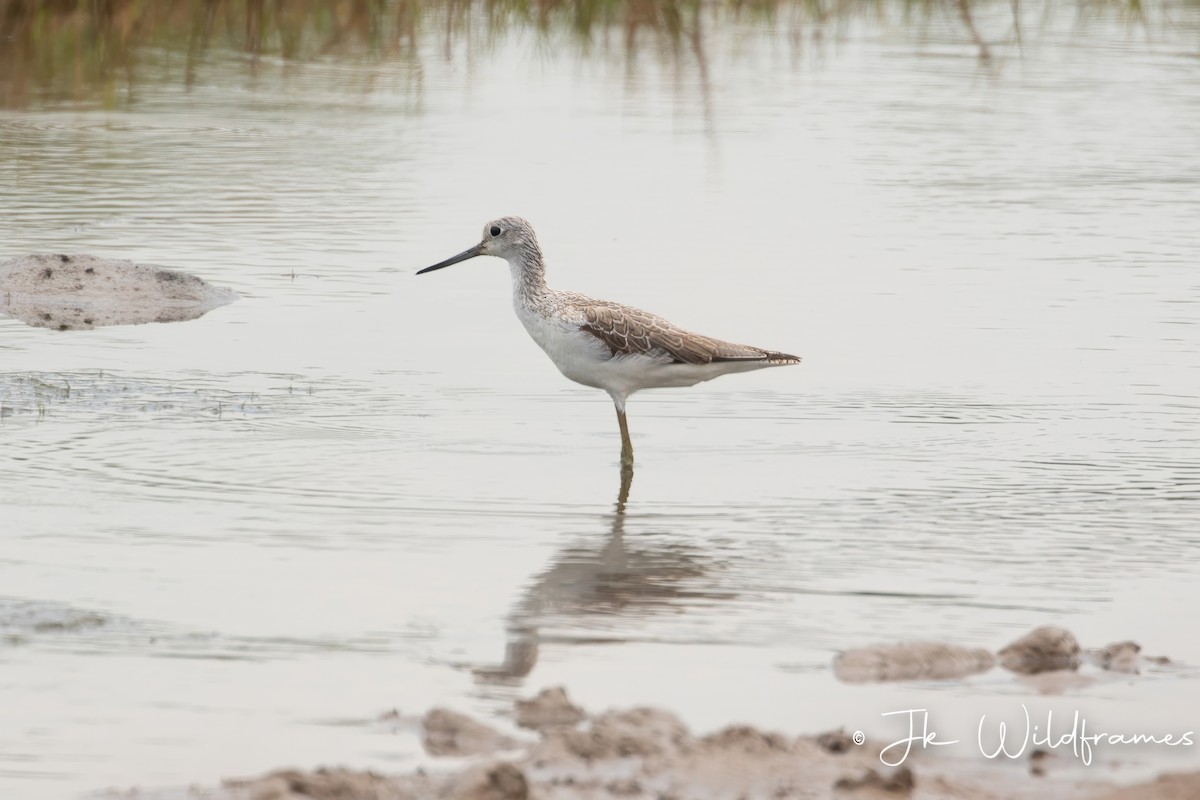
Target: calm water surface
231	544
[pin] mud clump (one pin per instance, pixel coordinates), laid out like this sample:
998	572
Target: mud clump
899	783
501	781
620	734
498	781
835	741
321	784
81	292
744	739
1120	657
449	733
1042	650
550	709
1037	762
910	661
1047	656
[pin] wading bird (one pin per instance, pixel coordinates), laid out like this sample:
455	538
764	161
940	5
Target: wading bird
602	344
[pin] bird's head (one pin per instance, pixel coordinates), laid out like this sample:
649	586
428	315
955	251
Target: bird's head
510	238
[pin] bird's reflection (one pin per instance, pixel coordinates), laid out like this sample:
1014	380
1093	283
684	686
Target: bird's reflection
608	579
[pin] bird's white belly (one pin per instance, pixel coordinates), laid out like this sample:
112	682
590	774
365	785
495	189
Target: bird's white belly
578	355
585	359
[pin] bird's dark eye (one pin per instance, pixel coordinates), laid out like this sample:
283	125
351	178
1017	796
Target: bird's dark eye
495	231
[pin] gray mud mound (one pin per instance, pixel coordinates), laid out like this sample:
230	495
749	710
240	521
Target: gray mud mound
449	733
81	292
1043	649
1049	651
550	709
910	661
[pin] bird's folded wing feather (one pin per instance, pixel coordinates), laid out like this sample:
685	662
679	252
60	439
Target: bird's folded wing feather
629	331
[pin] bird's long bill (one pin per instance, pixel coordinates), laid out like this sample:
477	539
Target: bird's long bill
463	256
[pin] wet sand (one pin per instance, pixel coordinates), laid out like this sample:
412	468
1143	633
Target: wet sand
564	752
648	753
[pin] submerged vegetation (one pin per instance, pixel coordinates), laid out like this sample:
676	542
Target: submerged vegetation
70	50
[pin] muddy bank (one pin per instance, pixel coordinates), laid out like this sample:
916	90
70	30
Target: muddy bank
1042	652
80	292
560	751
649	754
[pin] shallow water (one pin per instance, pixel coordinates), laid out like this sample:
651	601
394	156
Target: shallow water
231	544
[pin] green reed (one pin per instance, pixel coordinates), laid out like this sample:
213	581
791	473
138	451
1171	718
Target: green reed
95	50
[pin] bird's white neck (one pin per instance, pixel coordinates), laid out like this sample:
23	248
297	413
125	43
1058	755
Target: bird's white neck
528	276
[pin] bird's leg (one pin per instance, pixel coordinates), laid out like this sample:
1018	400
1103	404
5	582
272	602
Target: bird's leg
626	442
618	524
626	483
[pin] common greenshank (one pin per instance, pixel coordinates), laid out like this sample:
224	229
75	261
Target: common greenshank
602	344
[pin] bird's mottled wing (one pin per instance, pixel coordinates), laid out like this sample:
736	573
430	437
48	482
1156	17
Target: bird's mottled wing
629	331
